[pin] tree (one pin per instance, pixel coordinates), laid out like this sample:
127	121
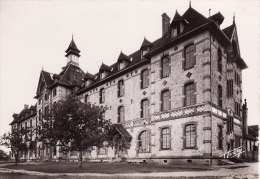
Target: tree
16	140
74	126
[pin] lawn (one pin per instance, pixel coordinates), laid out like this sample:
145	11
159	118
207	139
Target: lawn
108	168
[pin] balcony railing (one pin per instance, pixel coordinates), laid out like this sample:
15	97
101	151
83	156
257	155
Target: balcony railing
172	114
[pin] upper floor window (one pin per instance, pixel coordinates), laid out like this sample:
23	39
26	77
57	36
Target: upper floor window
144	141
86	98
220	96
144	79
121	88
237	78
220	138
219	60
121	114
102	95
165	98
189	90
190	136
189	56
165	138
229	88
237	109
144	108
54	92
30	123
40	100
230	124
165	67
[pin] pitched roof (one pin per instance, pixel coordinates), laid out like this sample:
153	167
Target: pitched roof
229	31
177	17
123	56
217	17
146	43
124	133
47	77
24	114
104	67
89	76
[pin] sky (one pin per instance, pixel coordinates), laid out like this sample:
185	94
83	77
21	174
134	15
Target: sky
35	34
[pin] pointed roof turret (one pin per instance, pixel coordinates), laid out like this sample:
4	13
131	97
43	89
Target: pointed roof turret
146	43
72	49
123	56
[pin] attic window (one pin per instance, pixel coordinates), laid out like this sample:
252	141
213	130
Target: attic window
122	64
112	69
144	51
131	59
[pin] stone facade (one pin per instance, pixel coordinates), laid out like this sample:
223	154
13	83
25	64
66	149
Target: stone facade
212	113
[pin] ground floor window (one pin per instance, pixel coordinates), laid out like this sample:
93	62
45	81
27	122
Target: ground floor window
190	136
144	141
165	138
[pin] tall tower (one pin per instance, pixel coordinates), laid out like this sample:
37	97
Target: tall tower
73	53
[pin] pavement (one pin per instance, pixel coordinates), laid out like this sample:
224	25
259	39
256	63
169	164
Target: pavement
243	170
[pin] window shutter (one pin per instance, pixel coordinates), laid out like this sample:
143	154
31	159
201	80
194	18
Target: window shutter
141	114
194	57
141	84
183	65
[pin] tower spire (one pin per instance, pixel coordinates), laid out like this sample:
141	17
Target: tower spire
234	18
72	53
190	4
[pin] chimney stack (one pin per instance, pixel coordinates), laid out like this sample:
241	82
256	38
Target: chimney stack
165	23
244	117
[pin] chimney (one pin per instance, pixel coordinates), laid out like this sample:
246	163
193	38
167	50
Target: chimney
165	23
244	117
26	106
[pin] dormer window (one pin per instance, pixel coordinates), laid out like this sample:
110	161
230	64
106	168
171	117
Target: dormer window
145	47
104	70
177	25
122	61
103	74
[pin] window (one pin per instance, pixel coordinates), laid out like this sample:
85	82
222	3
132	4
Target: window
219	60
189	92
86	98
220	138
237	109
30	123
54	92
25	125
237	79
189	57
165	98
190	136
230	124
229	88
144	141
144	79
121	88
165	138
144	108
165	67
40	100
102	95
121	114
220	96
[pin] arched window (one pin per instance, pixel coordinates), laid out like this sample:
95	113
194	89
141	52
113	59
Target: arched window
121	88
165	67
219	60
189	56
102	95
144	79
121	114
144	108
165	138
220	96
190	136
144	141
165	98
189	90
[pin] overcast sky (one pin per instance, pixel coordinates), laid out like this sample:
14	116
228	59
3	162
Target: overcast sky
35	34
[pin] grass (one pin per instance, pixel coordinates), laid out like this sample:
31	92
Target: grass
108	168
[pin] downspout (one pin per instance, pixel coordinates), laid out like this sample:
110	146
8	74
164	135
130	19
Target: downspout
210	94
